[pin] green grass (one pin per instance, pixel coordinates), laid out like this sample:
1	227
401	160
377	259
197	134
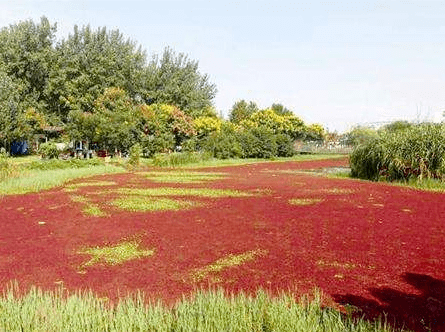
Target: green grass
38	180
206	311
212	162
143	204
226	262
168	191
115	255
183	176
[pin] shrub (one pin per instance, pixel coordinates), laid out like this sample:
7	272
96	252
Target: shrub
179	158
223	144
159	143
49	150
258	143
5	166
135	155
285	145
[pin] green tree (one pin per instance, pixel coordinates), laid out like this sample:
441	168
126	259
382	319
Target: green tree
114	122
26	56
87	63
242	110
280	109
174	79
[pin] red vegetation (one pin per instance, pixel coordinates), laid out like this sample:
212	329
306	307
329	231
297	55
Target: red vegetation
371	246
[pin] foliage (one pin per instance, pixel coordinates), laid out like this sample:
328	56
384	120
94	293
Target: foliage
361	135
5	166
206	125
204	311
26	57
416	151
280	109
224	144
315	132
174	79
134	159
288	124
82	67
49	150
242	110
165	127
258	143
114	122
179	158
285	145
51	164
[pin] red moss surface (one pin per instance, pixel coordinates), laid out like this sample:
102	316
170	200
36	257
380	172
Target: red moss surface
372	248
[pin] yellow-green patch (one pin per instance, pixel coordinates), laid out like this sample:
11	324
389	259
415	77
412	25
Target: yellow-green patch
93	210
183	177
336	264
115	255
91	184
79	199
167	191
143	204
224	263
304	201
338	191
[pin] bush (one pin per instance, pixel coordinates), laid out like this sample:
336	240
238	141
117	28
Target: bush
223	144
63	164
160	143
285	145
179	158
417	151
135	155
258	143
5	166
49	150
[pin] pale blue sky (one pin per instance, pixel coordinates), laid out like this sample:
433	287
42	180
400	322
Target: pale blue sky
338	63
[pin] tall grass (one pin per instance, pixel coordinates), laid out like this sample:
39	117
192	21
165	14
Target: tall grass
417	151
205	311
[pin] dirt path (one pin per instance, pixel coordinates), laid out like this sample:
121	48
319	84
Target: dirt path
369	246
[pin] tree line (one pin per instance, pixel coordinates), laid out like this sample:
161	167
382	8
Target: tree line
99	86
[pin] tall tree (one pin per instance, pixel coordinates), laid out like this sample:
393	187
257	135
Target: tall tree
175	79
280	109
242	110
26	56
87	63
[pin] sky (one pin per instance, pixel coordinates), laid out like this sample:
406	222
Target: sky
337	63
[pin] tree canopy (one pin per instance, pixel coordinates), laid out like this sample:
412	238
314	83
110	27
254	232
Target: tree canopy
59	78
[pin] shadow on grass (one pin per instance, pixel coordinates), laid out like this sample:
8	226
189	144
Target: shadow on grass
423	312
